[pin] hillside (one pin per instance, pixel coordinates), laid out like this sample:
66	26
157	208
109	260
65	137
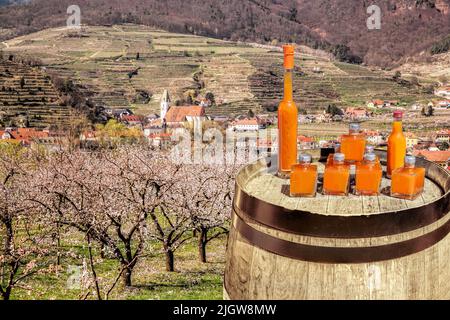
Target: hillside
241	76
409	27
29	98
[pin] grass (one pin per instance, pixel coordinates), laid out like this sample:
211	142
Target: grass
192	279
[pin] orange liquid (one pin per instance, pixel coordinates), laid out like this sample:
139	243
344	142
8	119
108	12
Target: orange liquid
396	148
368	179
336	179
420	182
407	183
303	180
330	159
287	128
353	146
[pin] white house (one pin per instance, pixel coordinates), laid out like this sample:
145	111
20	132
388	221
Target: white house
246	125
374	137
442	92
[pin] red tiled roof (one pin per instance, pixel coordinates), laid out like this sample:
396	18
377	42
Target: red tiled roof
27	134
355	111
305	139
131	118
179	114
246	122
378	102
160	135
372	133
435	156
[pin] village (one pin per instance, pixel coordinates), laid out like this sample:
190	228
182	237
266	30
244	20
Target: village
159	130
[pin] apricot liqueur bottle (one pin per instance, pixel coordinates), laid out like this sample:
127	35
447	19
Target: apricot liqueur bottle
408	181
287	119
371	149
353	144
336	179
303	178
368	176
337	149
396	145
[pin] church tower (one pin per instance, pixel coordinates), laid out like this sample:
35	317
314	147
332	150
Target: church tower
165	104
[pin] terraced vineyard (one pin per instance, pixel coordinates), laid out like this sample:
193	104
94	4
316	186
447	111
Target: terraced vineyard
115	65
27	97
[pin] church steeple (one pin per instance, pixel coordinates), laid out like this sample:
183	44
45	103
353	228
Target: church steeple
165	104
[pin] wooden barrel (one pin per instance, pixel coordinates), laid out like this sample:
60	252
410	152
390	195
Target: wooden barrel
332	247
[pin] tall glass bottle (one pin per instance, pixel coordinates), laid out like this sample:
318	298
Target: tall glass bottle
287	119
396	145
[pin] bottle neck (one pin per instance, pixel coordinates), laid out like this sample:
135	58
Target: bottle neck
409	166
288	92
397	126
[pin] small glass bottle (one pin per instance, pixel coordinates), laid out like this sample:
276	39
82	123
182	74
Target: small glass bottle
353	144
336	179
337	149
371	149
368	176
408	181
303	178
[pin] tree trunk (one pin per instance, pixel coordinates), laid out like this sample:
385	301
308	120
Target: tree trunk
6	294
202	241
103	251
169	260
126	276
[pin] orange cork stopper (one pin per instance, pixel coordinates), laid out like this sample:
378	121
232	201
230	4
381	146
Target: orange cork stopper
288	50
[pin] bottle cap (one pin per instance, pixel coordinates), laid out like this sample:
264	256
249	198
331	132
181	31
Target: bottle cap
339	157
304	158
370	157
355	126
288	50
398	114
410	160
370	149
